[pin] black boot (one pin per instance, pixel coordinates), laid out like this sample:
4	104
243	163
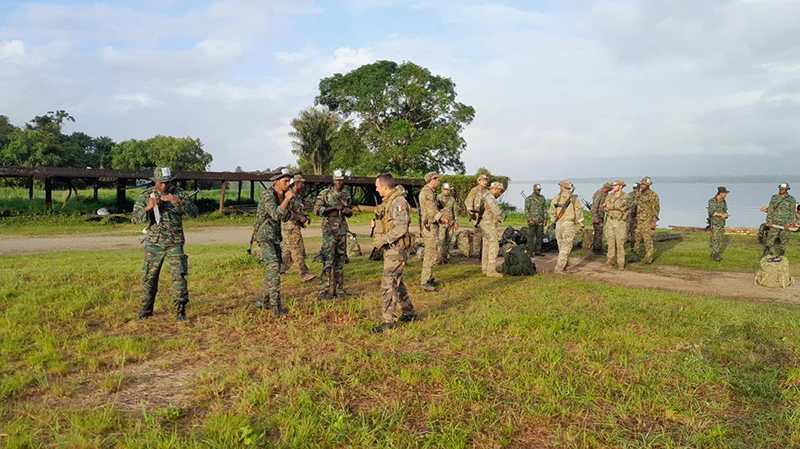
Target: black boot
145	314
716	258
385	326
407	317
181	315
633	259
765	253
428	287
278	311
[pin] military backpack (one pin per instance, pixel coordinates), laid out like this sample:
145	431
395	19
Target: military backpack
774	274
517	262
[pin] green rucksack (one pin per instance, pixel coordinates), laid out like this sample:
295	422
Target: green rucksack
774	274
517	262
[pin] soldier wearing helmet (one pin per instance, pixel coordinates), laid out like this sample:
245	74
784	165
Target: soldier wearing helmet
536	212
781	214
615	207
648	208
566	213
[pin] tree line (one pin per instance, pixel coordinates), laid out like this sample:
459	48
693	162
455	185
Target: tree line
41	142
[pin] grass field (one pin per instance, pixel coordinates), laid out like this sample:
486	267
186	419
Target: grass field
542	361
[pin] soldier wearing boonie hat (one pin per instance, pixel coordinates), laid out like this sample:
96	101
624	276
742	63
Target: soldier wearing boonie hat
163	207
333	205
598	216
615	226
567	215
447	206
781	214
717	215
648	208
536	213
492	216
474	201
294	249
431	217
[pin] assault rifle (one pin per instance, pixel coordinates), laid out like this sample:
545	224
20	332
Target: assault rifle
479	214
563	209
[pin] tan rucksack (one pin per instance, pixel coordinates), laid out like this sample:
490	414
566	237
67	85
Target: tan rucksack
774	274
468	243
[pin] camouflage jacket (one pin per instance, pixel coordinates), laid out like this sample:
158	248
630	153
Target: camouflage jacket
427	205
335	223
170	230
633	199
448	204
535	208
474	199
296	214
492	213
596	210
717	206
573	213
269	217
781	209
394	218
648	207
616	207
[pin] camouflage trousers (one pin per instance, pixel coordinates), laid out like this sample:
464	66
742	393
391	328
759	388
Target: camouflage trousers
445	243
153	260
631	231
271	286
644	235
333	254
293	249
597	239
431	236
776	240
535	236
491	246
565	236
393	289
616	231
717	239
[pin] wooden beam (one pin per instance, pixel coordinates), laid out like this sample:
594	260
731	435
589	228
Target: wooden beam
222	196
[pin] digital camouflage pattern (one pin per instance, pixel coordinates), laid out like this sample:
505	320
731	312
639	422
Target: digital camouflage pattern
648	207
615	226
566	225
394	219
430	232
164	240
492	216
294	249
717	224
598	215
446	233
633	198
333	252
536	212
781	211
269	217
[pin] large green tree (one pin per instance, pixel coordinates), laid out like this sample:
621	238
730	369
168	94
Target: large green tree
179	153
314	130
42	144
408	119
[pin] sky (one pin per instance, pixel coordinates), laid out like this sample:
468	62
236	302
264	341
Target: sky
568	88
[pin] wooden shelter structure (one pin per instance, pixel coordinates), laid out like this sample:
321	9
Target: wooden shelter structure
359	187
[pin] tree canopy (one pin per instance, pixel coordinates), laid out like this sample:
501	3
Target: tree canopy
179	153
313	135
407	119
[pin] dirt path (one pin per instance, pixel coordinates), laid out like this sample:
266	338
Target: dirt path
670	278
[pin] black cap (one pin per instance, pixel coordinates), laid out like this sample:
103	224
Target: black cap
722	189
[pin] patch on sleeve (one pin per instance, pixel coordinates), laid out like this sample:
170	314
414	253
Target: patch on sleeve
400	208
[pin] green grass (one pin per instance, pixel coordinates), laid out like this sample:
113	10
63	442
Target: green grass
542	361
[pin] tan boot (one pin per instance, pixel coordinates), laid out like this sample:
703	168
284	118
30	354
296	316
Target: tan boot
307	277
494	274
609	263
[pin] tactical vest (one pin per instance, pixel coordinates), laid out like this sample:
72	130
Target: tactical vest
386	225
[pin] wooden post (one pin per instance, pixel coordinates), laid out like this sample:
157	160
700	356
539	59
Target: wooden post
252	191
30	189
222	196
48	193
95	187
239	198
120	195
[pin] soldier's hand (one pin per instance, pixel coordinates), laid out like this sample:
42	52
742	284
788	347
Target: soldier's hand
786	227
289	194
372	223
171	198
653	226
151	203
595	221
347	211
531	223
769	224
455	226
444	220
764	209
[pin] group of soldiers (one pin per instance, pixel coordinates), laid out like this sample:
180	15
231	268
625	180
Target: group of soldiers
280	218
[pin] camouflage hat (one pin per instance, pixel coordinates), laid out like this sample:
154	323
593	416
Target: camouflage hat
784	186
430	175
537	187
163	174
647	181
338	174
282	173
297	178
618	182
483	177
566	183
608	184
496	185
446	186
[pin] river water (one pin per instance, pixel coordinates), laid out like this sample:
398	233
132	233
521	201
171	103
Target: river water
682	204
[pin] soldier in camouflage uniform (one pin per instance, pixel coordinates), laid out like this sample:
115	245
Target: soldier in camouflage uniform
163	207
567	215
717	214
492	216
474	202
447	232
333	205
615	226
648	207
431	218
536	212
780	216
394	239
597	214
633	197
273	209
294	250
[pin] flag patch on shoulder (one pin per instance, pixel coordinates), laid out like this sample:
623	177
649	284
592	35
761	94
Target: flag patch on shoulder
399	208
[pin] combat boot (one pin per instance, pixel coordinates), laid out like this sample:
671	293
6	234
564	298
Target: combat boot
716	258
634	259
407	317
323	296
181	315
648	261
307	277
278	311
428	287
385	326
340	293
609	263
494	274
765	253
145	314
